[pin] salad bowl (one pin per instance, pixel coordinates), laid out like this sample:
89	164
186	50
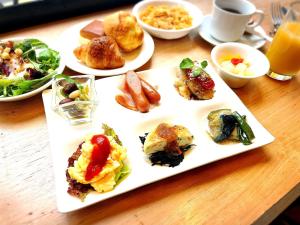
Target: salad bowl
39	59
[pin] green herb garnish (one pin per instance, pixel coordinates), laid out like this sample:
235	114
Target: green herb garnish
186	63
198	70
204	64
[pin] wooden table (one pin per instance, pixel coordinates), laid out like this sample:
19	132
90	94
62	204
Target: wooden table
251	188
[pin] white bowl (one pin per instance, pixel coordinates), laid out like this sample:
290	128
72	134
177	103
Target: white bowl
259	64
193	11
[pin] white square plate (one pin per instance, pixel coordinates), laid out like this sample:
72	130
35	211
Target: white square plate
129	125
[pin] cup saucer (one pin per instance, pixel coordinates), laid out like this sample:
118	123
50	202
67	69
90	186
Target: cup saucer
249	39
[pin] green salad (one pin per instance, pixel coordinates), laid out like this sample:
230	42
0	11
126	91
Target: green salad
25	65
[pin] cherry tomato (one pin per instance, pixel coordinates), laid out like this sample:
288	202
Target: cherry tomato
236	61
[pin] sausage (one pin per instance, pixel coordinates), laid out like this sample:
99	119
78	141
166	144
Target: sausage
135	89
150	92
126	101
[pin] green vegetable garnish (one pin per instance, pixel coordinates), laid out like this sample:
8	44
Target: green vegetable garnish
125	170
204	64
110	132
186	63
245	132
70	80
122	174
197	70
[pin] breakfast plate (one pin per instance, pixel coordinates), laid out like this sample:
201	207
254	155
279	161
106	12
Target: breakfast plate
70	39
37	90
129	125
249	39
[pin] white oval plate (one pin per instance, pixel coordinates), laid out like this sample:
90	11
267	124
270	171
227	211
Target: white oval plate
248	39
70	39
59	70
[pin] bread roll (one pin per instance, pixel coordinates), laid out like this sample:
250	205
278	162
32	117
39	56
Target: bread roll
123	27
100	53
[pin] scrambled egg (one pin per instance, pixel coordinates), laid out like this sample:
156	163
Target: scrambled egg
105	180
166	17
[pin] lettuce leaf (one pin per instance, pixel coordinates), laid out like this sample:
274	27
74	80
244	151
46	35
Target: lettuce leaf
123	173
18	86
110	132
125	169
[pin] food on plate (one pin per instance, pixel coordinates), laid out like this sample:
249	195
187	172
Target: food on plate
193	81
93	30
25	65
237	65
73	89
227	125
74	97
99	163
136	91
123	27
166	17
166	144
100	53
151	93
138	94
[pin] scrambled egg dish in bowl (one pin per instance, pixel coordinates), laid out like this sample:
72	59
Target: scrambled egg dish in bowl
99	163
167	19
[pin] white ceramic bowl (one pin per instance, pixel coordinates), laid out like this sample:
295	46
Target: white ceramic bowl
259	64
193	10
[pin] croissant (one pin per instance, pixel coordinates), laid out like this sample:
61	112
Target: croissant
123	27
100	53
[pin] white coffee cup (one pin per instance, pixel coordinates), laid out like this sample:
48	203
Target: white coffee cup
231	17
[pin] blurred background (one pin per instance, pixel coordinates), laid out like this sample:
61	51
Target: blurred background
24	13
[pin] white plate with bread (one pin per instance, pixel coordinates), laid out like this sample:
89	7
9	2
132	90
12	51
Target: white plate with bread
105	47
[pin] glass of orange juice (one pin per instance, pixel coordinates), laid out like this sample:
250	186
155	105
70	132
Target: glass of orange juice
284	52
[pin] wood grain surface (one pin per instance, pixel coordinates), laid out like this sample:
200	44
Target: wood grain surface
251	188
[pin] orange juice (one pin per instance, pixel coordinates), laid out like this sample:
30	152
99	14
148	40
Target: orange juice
284	52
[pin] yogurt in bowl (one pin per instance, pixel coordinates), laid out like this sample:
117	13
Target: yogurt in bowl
238	63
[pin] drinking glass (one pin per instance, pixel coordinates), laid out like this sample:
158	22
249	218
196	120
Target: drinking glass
284	52
78	107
